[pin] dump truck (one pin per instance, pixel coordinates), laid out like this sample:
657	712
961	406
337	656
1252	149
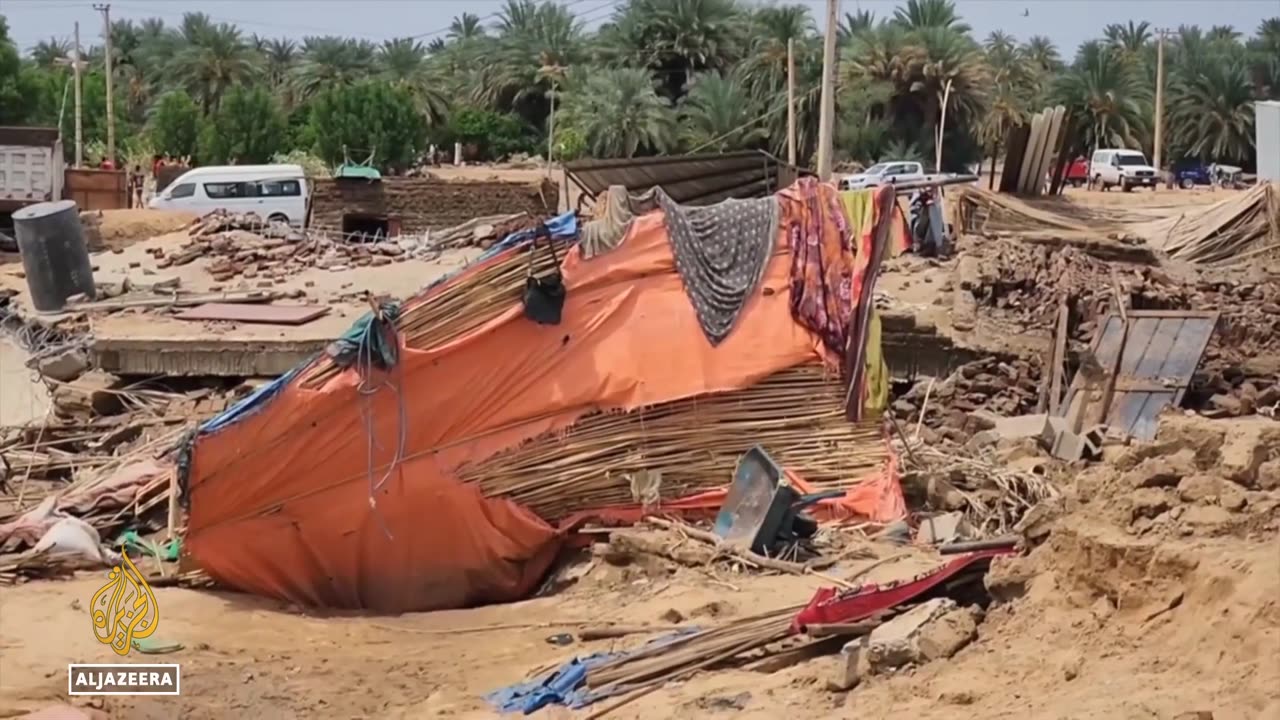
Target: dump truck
31	168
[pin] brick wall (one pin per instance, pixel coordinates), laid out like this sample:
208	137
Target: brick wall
420	204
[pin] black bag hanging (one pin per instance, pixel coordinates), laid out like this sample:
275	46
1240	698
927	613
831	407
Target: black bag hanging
543	296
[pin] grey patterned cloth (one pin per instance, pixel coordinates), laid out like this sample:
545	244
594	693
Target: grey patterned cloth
721	252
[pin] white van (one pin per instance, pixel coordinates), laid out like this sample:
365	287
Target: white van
273	192
1127	168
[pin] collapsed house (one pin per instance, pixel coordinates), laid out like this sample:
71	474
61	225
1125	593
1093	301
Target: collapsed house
390	206
436	455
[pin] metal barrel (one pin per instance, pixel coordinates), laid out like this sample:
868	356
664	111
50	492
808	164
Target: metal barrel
54	254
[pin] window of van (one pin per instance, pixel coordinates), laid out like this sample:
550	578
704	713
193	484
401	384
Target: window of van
185	190
279	188
221	191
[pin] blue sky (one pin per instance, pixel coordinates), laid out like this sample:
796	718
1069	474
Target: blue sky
1067	22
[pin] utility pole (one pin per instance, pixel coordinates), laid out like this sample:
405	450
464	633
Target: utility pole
1157	154
105	9
75	70
827	110
76	66
791	101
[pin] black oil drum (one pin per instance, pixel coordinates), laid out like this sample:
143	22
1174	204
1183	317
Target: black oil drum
54	254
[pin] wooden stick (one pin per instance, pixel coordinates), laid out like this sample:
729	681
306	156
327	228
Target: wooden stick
660	681
1057	358
742	553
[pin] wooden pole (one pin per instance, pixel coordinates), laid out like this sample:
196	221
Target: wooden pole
942	127
111	117
75	69
827	118
791	101
1157	154
551	128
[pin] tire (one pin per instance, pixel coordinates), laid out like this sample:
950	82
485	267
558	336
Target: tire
1187	183
278	217
1125	187
1097	182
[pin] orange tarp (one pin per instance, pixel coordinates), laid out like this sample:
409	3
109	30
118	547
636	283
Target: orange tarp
280	500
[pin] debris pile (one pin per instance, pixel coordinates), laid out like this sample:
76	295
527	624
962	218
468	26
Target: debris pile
969	400
1200	477
242	246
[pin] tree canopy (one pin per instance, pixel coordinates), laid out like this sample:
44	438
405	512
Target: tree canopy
656	76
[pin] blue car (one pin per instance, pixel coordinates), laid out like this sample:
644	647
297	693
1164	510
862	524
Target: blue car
1189	175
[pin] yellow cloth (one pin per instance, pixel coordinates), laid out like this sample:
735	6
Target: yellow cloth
877	370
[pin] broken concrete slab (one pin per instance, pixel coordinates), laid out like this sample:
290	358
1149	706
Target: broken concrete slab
893	644
90	394
64	366
945	636
944	528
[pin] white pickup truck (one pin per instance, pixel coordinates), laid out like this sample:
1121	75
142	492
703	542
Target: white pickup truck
895	171
31	167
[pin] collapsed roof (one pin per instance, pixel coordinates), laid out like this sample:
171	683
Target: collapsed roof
688	179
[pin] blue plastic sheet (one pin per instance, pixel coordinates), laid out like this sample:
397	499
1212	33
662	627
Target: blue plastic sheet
565	685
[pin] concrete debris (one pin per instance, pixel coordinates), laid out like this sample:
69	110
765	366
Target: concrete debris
90	394
933	630
944	528
64	366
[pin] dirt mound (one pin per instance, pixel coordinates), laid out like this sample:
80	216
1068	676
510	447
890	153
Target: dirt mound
118	229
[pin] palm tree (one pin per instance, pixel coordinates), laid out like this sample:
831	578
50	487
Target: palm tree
329	61
617	112
1130	38
465	27
1211	114
1223	33
46	53
218	60
280	55
1041	51
917	14
854	23
1108	92
719	115
518	16
404	62
534	37
765	67
677	38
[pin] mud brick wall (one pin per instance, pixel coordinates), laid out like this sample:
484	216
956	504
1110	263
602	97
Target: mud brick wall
420	204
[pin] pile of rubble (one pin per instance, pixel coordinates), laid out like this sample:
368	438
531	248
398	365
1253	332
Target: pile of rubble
969	399
243	246
1024	284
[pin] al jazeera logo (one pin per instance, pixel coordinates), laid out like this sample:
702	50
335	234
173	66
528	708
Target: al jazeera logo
124	611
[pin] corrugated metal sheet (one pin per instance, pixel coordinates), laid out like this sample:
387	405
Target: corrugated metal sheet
1160	355
688	179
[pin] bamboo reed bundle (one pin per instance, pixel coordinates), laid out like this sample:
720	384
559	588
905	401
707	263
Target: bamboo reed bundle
651	667
695	443
455	308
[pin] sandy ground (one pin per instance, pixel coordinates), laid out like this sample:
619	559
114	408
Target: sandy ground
23	398
245	652
1111	628
122	228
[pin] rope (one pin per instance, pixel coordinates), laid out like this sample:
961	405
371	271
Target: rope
367	361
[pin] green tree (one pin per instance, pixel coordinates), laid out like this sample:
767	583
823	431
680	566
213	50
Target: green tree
370	116
677	38
174	125
719	115
1211	114
248	127
919	14
47	53
329	62
12	102
617	113
490	135
1109	93
216	60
